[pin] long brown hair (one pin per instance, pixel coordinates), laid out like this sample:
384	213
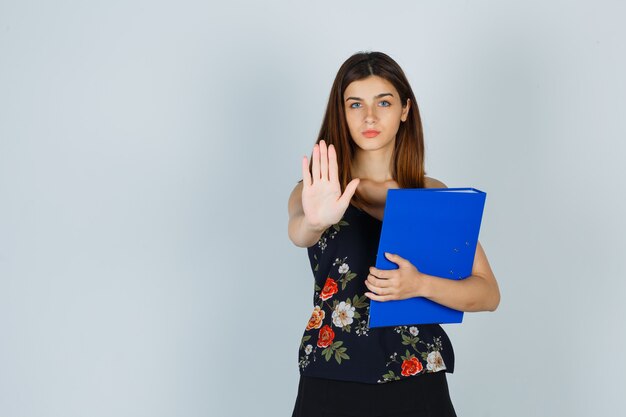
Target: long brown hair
408	155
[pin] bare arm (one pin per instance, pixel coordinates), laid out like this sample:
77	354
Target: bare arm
301	232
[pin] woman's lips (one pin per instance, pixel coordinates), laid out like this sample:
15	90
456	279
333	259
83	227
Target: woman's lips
370	133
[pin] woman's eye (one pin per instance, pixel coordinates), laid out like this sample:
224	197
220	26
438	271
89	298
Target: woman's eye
355	105
385	103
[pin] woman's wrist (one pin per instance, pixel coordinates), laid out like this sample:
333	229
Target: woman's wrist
312	228
422	285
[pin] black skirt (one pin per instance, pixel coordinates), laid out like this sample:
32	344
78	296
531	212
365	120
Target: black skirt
423	395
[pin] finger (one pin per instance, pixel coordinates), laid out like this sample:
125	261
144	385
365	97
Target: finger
378	280
382	273
316	163
333	170
377	289
306	175
349	191
397	259
324	160
375	297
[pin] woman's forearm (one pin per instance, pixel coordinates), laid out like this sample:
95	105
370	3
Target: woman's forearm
302	233
473	293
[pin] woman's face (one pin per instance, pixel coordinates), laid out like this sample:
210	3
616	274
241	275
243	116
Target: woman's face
374	112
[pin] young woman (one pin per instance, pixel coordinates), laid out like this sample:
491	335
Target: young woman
371	140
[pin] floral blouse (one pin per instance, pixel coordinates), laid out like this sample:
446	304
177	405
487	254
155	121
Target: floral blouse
337	342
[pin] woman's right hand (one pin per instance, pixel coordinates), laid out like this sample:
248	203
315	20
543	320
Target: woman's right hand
322	201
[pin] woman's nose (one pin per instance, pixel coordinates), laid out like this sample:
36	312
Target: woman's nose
370	116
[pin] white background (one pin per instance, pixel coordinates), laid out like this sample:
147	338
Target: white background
148	148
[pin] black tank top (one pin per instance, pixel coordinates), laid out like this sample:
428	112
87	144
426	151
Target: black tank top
337	343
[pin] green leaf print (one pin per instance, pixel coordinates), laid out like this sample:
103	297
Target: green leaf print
338	350
390	376
304	339
360	302
407	356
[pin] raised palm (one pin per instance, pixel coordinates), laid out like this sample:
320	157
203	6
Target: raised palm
322	201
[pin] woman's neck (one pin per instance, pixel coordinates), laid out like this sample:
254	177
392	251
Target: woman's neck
374	166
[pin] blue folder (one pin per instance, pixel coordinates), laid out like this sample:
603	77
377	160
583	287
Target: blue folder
436	229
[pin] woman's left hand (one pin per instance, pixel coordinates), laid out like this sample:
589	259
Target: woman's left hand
394	284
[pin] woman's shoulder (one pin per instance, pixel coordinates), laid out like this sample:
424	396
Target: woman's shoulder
433	183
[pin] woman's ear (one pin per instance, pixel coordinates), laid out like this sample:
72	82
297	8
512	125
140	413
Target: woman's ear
405	110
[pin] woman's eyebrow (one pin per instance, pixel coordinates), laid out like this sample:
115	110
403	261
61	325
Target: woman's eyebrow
377	96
